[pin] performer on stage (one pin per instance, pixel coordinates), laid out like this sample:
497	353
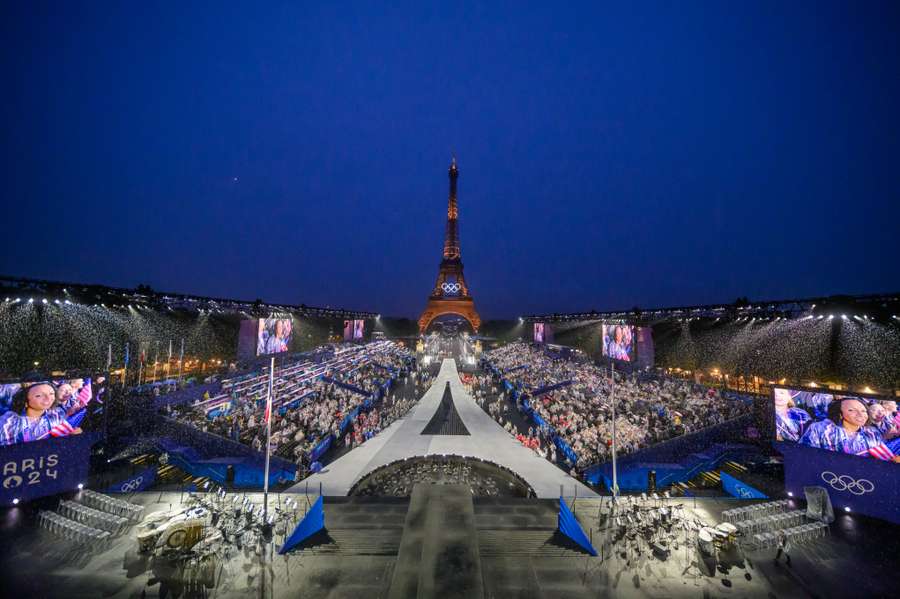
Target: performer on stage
783	547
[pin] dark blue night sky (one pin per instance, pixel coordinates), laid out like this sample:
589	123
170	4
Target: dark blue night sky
609	157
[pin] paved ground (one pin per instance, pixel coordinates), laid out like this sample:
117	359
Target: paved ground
514	541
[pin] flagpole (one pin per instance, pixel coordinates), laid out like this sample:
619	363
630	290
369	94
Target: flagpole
181	360
268	439
169	361
140	362
155	360
125	367
612	397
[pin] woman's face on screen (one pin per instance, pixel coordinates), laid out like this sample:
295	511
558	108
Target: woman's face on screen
64	392
876	412
41	397
782	398
854	412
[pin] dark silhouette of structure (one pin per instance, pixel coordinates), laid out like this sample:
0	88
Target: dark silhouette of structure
451	294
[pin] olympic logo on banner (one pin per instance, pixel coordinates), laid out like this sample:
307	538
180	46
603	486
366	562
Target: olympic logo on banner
132	485
744	492
848	483
451	287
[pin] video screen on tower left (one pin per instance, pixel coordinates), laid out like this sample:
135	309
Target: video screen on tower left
44	408
618	342
273	335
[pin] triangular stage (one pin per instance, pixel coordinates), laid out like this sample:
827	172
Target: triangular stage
446	420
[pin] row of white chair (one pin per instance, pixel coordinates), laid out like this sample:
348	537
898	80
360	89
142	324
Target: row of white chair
73	531
756	510
112	505
797	534
95	518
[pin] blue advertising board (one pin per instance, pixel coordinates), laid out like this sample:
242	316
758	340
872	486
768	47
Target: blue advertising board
864	485
41	468
740	489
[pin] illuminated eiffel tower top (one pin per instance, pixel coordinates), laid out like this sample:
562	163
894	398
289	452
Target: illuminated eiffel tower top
451	239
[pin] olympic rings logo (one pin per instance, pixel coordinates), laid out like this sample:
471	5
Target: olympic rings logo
451	287
132	485
848	483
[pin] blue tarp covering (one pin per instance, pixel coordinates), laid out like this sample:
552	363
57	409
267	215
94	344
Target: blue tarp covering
313	522
569	526
740	489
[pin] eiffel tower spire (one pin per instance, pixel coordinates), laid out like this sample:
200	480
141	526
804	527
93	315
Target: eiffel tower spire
451	239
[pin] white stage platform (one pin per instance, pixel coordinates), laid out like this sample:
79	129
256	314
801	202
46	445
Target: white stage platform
403	439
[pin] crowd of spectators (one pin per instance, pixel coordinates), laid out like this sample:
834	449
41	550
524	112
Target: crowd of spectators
649	408
311	399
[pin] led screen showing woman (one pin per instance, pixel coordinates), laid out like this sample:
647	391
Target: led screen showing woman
862	426
274	336
618	342
41	409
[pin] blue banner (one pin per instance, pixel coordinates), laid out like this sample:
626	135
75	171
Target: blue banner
320	449
313	522
863	485
739	489
568	525
139	482
48	467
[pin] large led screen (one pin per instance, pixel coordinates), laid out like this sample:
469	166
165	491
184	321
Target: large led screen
35	410
851	424
358	329
348	330
539	332
273	336
618	342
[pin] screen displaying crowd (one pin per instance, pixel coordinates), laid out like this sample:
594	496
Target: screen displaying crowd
274	336
851	424
618	342
354	330
51	408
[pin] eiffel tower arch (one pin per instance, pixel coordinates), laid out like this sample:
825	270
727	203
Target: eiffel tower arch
450	294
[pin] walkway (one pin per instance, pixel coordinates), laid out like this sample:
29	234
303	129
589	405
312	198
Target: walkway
403	439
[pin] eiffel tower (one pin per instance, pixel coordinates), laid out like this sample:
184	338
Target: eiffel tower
450	294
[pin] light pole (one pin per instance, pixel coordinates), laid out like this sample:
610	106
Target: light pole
612	398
